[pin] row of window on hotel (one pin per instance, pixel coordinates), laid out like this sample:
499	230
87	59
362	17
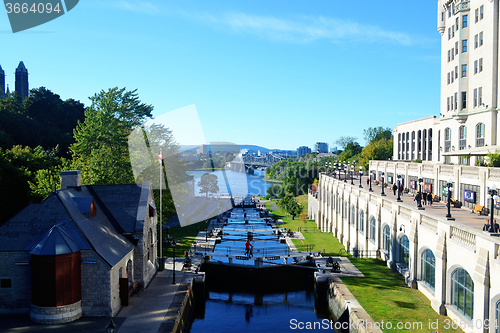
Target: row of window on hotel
478	68
478	16
478	42
452	101
463	137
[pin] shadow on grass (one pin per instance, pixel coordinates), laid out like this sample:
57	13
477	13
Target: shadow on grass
406	305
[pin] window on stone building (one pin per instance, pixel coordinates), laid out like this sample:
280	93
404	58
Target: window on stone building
481	38
5	283
362	222
428	268
464	45
475	67
456	100
456	48
464	70
386	238
476	38
480	69
476	16
481	12
462	137
464	100
404	251
480	135
372	228
464	21
456	23
456	72
353	215
449	33
462	292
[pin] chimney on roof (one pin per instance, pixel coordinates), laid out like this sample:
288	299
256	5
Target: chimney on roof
71	178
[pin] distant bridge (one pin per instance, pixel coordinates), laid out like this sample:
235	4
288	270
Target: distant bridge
252	162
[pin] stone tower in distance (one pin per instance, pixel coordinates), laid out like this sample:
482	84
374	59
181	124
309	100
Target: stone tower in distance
22	80
2	81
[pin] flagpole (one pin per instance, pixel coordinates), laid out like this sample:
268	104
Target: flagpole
161	215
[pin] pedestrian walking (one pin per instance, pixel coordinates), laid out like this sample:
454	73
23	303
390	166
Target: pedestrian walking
429	198
424	198
401	188
418	199
367	181
248	248
495	226
486	227
394	188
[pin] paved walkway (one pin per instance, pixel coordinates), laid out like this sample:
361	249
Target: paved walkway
438	209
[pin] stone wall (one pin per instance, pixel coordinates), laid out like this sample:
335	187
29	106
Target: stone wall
95	285
353	213
17	298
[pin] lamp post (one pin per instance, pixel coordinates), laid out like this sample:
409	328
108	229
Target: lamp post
399	189
420	181
492	193
383	193
352	174
360	176
449	187
370	179
172	243
345	172
111	328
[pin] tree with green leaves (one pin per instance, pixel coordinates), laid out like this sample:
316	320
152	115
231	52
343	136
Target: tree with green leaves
344	141
208	183
372	134
377	150
101	148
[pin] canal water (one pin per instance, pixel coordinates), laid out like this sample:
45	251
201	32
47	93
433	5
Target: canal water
244	312
227	308
240	184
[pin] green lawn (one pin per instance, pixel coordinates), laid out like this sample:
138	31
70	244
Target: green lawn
382	292
185	236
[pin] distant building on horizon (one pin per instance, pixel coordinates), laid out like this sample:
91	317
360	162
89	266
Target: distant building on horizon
332	149
321	147
22	85
203	149
303	150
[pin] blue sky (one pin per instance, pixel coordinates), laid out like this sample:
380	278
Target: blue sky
279	74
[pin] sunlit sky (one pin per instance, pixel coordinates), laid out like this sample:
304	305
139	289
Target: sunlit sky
278	74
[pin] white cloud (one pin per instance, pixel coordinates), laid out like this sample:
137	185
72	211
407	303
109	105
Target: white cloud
305	29
291	29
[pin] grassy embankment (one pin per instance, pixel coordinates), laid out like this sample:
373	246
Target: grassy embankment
382	292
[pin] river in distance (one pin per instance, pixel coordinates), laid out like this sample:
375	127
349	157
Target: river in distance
236	183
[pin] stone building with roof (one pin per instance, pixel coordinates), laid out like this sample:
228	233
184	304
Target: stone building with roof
79	252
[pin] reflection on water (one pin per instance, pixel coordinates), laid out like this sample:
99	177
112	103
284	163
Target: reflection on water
241	184
244	312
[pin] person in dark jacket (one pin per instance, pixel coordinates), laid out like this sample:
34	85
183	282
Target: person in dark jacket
394	188
418	199
424	198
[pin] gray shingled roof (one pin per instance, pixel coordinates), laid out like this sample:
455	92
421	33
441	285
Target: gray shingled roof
117	209
60	239
98	230
32	222
122	202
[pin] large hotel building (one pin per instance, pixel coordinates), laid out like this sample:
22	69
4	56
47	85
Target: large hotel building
466	128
